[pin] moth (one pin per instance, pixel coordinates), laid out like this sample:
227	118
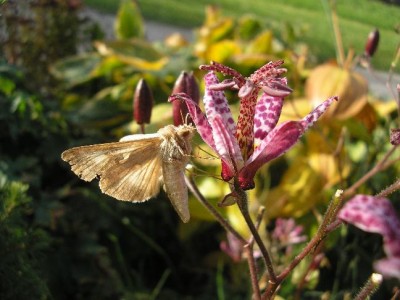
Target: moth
134	168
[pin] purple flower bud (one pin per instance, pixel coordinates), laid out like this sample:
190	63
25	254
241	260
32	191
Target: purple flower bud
395	136
142	103
186	83
372	43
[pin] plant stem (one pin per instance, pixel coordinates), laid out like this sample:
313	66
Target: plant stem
381	165
253	271
370	287
338	36
242	204
224	223
390	189
248	246
322	232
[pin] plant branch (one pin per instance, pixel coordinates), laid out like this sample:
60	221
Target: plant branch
380	166
248	248
224	223
242	204
390	189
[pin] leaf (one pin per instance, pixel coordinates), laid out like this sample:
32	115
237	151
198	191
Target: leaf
248	27
300	189
214	191
221	51
77	69
129	21
329	80
7	86
262	44
135	52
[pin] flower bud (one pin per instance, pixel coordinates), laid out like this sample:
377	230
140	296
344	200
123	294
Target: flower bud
395	137
142	103
372	43
186	83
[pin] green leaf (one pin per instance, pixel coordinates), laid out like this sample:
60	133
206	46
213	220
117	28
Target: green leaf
248	27
129	22
7	86
77	69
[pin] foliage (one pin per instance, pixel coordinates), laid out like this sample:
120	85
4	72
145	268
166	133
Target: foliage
307	17
61	238
29	27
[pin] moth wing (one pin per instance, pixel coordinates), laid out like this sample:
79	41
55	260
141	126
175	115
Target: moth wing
175	187
128	171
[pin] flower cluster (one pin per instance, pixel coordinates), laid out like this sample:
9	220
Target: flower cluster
377	215
257	138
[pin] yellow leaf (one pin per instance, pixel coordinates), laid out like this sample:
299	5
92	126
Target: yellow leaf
262	44
329	80
299	191
221	51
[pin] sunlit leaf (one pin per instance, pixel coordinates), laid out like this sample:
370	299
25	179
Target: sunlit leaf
135	52
300	189
222	51
262	44
331	80
129	22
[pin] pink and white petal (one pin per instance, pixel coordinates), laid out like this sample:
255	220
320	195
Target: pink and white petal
388	267
268	111
226	146
278	141
312	117
215	102
198	117
377	215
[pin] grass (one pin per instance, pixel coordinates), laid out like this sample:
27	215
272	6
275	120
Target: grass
356	19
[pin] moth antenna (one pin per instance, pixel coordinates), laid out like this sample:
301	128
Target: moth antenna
212	156
187	119
197	172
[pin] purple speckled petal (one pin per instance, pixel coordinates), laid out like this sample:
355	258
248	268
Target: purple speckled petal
277	142
226	146
198	117
388	267
268	111
215	103
312	117
376	215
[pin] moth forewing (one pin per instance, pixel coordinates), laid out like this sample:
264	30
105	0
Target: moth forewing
128	171
133	168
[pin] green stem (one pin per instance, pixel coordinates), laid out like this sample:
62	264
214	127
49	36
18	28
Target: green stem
242	204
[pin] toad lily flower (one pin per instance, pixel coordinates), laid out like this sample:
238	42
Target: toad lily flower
256	139
377	215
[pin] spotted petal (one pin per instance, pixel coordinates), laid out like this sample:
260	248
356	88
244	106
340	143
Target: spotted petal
277	142
375	215
268	111
226	146
312	117
388	267
215	103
